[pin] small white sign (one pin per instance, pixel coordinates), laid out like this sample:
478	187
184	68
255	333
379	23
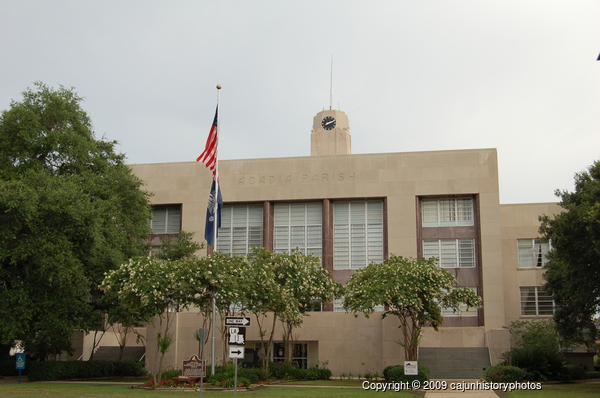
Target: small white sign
236	352
237	335
411	368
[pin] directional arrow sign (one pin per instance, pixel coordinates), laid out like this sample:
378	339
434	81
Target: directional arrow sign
237	321
236	352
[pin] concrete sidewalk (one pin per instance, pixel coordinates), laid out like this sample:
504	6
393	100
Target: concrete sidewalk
12	379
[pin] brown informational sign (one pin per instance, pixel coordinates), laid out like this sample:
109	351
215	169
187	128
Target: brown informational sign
194	367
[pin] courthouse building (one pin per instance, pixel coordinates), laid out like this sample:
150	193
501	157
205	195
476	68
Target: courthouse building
353	209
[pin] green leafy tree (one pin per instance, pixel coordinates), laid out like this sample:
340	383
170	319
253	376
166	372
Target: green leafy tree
178	246
573	270
534	333
414	290
70	210
535	348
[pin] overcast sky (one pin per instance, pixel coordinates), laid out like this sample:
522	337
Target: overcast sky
517	75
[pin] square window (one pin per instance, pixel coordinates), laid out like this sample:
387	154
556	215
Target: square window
165	219
532	252
535	301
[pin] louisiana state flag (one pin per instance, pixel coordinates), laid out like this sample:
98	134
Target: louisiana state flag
209	228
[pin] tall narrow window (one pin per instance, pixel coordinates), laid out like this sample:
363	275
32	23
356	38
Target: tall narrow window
535	301
532	253
241	229
447	212
451	253
357	234
298	226
165	219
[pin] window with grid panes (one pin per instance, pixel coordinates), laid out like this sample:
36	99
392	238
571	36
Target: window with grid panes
165	219
447	212
298	226
357	234
451	253
532	253
535	301
241	229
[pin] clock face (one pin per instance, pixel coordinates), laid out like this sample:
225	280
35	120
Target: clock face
328	123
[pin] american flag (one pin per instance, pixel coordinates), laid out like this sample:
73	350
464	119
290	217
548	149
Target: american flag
209	156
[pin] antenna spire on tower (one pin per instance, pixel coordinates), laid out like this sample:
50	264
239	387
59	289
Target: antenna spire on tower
331	84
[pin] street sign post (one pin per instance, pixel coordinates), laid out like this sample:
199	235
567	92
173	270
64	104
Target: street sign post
20	363
202	335
237	339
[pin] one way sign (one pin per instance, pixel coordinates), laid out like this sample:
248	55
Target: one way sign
237	321
236	352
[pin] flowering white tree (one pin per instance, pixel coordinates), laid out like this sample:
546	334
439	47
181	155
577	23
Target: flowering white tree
414	290
285	285
225	279
156	289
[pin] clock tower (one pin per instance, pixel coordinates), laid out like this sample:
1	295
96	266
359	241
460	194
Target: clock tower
330	134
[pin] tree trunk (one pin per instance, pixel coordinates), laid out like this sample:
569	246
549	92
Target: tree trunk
411	331
262	333
270	344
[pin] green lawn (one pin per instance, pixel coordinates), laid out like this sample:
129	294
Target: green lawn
60	390
321	389
558	391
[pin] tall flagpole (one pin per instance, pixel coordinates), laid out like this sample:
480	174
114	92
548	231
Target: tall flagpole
216	224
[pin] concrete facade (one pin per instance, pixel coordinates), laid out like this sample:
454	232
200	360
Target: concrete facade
401	181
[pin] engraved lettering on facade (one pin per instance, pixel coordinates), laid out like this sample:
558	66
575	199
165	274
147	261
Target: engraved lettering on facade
298	178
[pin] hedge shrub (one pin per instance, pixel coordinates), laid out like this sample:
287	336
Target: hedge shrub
540	363
575	372
395	373
61	370
170	373
290	372
314	374
8	367
505	374
224	375
283	371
